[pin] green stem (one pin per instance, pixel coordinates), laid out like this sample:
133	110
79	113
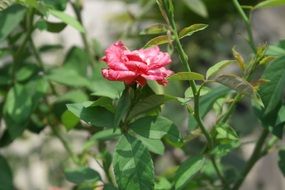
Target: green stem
230	110
247	24
219	172
184	59
77	11
29	28
255	156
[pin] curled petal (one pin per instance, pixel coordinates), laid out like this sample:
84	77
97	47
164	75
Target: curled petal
115	56
136	66
126	76
160	60
134	55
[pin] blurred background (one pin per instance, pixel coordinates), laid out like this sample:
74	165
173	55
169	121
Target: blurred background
38	159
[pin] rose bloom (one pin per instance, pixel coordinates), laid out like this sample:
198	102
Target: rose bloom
136	66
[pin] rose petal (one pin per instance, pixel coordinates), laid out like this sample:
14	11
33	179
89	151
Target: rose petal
136	66
126	76
115	56
160	60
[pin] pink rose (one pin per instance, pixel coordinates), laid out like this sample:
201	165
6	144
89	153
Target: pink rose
136	66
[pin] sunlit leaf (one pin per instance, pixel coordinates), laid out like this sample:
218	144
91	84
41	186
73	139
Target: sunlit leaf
186	76
271	92
67	19
197	6
133	166
238	57
159	40
188	31
217	67
10	19
155	29
80	175
270	4
186	171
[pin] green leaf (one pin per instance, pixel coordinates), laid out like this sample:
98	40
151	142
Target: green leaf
186	76
55	27
236	83
67	19
6	176
75	96
26	72
20	102
133	166
147	104
159	40
151	127
197	6
106	134
155	29
271	92
69	120
281	162
217	67
189	93
269	4
80	175
153	145
162	184
93	115
275	51
77	60
10	19
123	106
188	31
226	139
102	87
186	171
67	76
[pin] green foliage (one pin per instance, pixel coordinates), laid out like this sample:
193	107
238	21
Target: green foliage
133	166
197	6
236	83
6	177
96	116
186	171
10	19
271	91
190	30
217	67
281	161
269	4
186	76
67	19
82	176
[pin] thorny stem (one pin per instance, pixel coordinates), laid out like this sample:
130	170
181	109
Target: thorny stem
247	24
184	59
77	10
